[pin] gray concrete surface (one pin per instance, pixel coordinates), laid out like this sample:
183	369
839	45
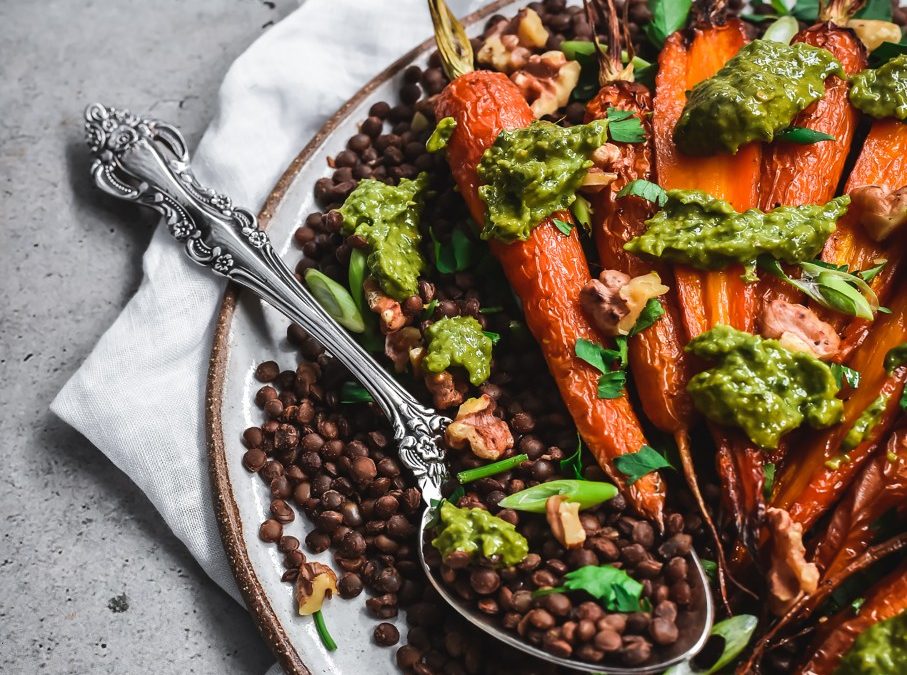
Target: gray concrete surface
91	580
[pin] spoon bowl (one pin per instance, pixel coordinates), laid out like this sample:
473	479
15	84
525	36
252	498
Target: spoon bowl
693	625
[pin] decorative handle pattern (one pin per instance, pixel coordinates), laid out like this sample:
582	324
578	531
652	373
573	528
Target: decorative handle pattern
146	161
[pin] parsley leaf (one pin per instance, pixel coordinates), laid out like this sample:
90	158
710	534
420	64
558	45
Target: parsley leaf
494	337
618	591
875	9
430	309
806	10
646	190
574	463
802	136
625	127
597	356
903	401
635	465
885	52
844	374
710	567
768	473
651	313
856	604
780	8
611	385
621	343
456	256
353	392
562	225
668	16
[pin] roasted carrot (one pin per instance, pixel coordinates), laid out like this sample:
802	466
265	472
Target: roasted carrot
881	485
547	271
710	298
885	600
807	486
658	363
882	162
794	174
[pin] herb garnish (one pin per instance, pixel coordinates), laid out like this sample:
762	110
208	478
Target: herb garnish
563	226
844	374
492	469
574	463
735	633
625	127
635	465
491	335
802	136
611	383
668	16
586	493
832	287
455	257
353	392
768	479
323	633
651	313
871	273
646	190
618	591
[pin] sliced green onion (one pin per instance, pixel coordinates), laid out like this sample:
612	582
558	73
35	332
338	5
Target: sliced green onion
782	30
492	469
586	493
323	633
335	300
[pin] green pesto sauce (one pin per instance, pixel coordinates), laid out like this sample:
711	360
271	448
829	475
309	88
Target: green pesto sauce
881	649
459	341
530	173
760	386
441	135
895	358
698	229
387	217
864	424
754	96
882	92
477	531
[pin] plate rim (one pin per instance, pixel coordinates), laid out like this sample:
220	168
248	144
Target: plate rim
226	511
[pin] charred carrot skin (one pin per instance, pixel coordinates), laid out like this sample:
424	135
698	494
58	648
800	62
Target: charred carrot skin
806	487
794	174
881	485
883	162
710	298
657	361
547	272
884	601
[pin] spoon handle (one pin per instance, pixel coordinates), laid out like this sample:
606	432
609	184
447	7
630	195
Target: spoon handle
146	161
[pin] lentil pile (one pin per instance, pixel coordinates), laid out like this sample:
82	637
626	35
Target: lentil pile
335	461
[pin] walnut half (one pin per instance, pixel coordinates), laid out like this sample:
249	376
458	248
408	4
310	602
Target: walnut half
614	301
563	518
390	314
878	210
790	575
315	584
507	45
476	426
547	82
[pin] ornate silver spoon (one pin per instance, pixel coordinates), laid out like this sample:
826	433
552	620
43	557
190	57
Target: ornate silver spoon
146	161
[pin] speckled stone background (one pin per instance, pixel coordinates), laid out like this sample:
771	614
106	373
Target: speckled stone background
91	580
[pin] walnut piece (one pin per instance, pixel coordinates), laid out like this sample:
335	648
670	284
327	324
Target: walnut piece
873	32
790	575
547	82
390	314
315	584
614	301
880	211
799	328
399	345
446	389
507	45
476	426
563	518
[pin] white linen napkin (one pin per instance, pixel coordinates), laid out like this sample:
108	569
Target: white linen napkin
139	396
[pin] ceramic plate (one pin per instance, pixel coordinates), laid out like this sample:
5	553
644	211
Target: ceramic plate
249	332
